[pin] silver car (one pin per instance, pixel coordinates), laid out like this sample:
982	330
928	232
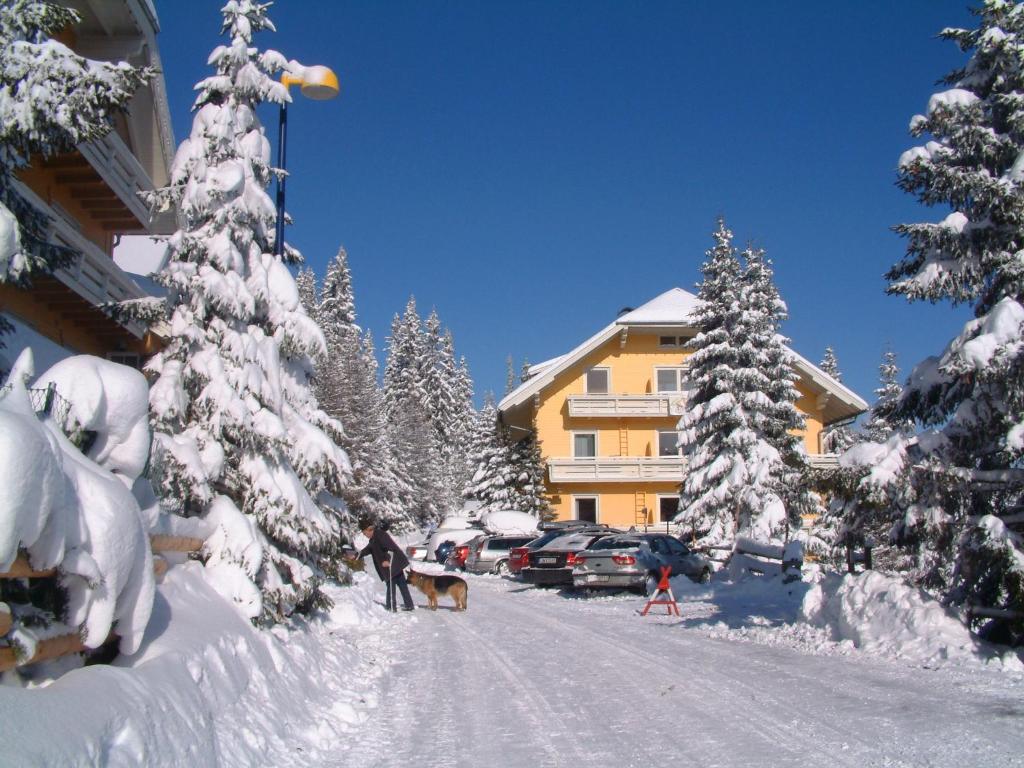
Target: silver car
634	561
489	554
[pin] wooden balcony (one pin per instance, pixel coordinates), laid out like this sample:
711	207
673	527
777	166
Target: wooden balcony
111	158
617	469
659	405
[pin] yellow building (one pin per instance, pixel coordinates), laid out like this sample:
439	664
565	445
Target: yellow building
606	414
92	198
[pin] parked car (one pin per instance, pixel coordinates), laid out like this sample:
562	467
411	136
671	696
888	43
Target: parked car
490	554
553	563
518	557
417	551
457	557
634	561
454	535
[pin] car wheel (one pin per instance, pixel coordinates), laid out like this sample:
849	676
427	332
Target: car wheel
705	576
502	568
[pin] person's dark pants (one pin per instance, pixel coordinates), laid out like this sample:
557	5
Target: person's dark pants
397	580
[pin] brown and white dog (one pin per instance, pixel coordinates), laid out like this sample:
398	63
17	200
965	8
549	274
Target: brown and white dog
448	586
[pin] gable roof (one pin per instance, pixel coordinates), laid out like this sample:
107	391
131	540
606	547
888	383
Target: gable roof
674	307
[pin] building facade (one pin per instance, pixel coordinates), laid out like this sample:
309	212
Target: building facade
92	197
606	414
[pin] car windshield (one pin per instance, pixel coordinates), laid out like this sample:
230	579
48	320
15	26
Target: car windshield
571	542
541	541
613	542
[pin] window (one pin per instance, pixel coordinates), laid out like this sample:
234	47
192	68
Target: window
671	341
668	508
584	445
676	548
670	379
585	508
597	381
667	442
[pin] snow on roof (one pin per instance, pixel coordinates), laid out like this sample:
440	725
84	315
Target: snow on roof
674	307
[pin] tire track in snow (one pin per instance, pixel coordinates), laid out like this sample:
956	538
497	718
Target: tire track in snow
752	701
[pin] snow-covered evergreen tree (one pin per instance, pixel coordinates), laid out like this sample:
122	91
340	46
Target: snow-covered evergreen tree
878	427
861	510
744	474
403	369
347	390
239	437
835	438
967	476
488	457
51	99
526	482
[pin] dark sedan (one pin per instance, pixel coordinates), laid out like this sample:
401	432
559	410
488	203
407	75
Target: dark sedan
553	563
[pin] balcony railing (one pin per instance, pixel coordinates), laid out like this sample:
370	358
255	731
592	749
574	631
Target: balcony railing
823	460
93	275
654	405
611	469
121	170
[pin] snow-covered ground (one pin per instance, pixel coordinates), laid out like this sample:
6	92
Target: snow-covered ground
535	677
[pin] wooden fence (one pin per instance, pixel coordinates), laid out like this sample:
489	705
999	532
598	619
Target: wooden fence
62	645
760	558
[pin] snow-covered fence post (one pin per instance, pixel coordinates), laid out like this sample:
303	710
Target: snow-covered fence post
792	561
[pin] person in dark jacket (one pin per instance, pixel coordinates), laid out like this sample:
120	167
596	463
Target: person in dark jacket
389	560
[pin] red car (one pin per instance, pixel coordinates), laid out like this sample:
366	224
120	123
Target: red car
458	557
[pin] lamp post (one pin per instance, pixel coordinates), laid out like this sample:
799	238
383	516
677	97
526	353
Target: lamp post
317	83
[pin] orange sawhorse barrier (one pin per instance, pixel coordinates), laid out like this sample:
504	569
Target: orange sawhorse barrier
663	596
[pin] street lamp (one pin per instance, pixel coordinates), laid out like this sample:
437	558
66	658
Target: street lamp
317	83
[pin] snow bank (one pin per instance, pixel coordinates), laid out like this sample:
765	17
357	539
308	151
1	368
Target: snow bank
509	522
884	615
207	688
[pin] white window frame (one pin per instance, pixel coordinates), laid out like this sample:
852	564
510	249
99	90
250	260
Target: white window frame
657	443
676	342
597	505
593	432
586	379
666	496
680	378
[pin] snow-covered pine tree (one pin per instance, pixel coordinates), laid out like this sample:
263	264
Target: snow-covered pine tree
347	390
407	409
51	99
526	479
965	522
862	510
488	457
510	375
776	417
238	435
744	474
714	434
835	438
878	427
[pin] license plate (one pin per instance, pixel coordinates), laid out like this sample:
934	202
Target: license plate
547	560
592	577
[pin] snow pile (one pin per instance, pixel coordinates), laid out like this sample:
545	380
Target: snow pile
884	615
207	688
508	522
68	511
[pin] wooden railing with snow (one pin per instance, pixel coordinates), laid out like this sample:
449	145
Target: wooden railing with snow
760	558
62	645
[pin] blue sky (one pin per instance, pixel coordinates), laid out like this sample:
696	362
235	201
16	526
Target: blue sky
530	168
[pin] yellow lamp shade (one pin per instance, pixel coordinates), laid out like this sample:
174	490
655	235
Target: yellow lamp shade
317	82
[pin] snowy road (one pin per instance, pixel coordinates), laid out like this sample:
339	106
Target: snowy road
533	677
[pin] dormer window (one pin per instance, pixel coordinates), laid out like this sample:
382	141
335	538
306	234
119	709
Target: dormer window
596	381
